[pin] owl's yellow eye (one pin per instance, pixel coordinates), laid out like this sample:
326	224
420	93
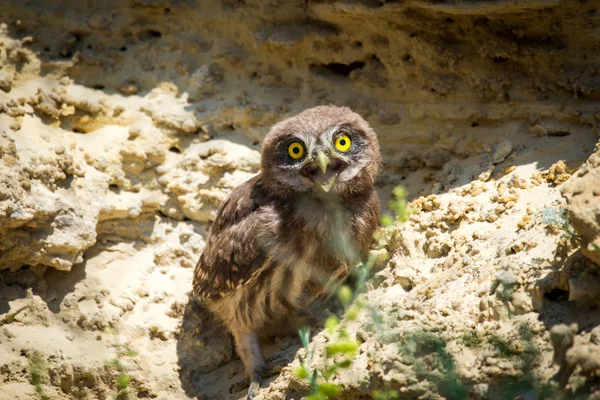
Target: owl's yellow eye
296	151
343	143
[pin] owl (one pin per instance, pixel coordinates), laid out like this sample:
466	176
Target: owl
289	236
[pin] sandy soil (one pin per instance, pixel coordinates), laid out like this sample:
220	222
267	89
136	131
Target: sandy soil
123	125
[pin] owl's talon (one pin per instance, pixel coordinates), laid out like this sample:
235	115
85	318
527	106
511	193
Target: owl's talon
253	389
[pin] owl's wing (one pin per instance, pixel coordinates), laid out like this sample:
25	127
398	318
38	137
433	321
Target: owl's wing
237	247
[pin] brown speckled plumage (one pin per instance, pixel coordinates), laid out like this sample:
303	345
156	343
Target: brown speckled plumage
279	240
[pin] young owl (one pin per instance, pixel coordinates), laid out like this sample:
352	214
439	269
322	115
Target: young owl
290	235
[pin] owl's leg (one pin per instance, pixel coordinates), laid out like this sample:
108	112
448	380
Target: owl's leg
248	349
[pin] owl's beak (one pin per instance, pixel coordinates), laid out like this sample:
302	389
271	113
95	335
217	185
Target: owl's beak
322	160
326	186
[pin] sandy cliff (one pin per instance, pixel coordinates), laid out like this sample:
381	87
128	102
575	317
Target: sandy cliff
123	125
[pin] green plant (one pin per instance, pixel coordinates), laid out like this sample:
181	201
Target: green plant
526	384
123	379
427	352
38	371
471	339
341	349
501	345
399	207
557	219
385	394
338	353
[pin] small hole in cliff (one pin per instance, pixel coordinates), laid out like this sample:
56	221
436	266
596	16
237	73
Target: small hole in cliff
149	34
592	11
123	49
114	188
407	58
167	10
381	41
175	149
413	35
89	47
78	130
337	69
499	59
482	21
474	124
557	295
66	184
77	37
46	49
559	133
98	87
449	20
357	44
255	143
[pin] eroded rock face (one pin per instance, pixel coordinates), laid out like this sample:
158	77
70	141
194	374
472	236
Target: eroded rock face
74	163
422	73
49	210
583	195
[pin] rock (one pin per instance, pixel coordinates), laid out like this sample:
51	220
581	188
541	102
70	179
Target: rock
503	149
562	340
41	221
206	175
582	192
169	112
558	173
405	277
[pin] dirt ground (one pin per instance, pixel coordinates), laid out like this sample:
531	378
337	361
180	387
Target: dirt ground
123	125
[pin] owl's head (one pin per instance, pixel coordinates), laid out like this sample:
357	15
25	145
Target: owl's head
326	150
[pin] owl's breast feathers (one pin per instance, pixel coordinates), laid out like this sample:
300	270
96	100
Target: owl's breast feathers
254	232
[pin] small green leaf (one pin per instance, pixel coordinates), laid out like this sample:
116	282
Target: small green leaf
128	352
329	389
115	363
352	313
301	372
331	323
313	383
377	318
123	381
386	220
328	373
399	192
347	347
344	364
345	295
304	334
385	394
343	333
